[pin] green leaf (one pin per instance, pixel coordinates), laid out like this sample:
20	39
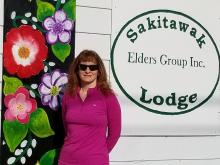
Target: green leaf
61	51
48	158
11	84
39	124
44	10
14	133
70	9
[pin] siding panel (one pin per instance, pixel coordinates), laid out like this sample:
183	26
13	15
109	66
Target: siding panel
95	3
169	162
1	11
1	40
93	20
99	43
167	149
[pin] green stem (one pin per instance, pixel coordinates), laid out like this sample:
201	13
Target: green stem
36	93
25	150
48	66
58	4
28	20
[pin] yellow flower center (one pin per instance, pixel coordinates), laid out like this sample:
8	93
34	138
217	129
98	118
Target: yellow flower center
20	107
23	52
37	163
54	91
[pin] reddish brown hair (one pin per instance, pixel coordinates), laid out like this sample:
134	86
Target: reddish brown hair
73	77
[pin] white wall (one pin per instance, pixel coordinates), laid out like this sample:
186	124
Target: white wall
93	31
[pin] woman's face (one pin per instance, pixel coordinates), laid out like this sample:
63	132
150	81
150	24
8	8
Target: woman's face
88	73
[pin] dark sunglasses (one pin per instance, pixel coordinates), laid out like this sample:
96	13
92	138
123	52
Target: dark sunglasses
83	67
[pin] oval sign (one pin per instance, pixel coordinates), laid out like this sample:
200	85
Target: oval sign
165	62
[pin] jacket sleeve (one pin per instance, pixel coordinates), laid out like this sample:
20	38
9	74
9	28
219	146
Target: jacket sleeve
114	121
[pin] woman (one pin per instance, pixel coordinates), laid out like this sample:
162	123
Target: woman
91	113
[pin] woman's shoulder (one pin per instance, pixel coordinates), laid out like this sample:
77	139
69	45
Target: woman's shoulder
66	95
112	101
110	96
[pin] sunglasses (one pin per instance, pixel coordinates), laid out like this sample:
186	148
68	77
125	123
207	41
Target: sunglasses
83	67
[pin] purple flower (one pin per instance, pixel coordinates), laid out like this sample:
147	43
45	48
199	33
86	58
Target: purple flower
51	87
58	28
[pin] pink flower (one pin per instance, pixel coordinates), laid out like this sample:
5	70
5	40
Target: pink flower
19	106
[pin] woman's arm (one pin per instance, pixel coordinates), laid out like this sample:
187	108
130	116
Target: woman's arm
114	121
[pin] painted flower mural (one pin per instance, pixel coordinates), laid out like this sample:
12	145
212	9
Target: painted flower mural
52	87
38	47
24	51
58	28
19	106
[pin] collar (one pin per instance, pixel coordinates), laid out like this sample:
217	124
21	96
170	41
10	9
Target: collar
90	90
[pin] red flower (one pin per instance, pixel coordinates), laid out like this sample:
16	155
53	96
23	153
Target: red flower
24	51
19	106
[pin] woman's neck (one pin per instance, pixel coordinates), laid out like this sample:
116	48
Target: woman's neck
84	90
85	87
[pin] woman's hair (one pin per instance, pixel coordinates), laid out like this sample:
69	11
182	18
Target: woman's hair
73	74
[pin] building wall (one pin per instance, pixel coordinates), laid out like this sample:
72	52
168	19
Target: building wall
93	31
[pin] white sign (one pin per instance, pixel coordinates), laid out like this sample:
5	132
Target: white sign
166	62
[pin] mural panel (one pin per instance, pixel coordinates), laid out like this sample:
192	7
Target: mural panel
39	43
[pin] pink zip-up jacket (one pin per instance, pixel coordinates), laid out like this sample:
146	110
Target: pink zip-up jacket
92	126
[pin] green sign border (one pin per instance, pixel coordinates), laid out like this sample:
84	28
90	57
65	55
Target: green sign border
123	90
